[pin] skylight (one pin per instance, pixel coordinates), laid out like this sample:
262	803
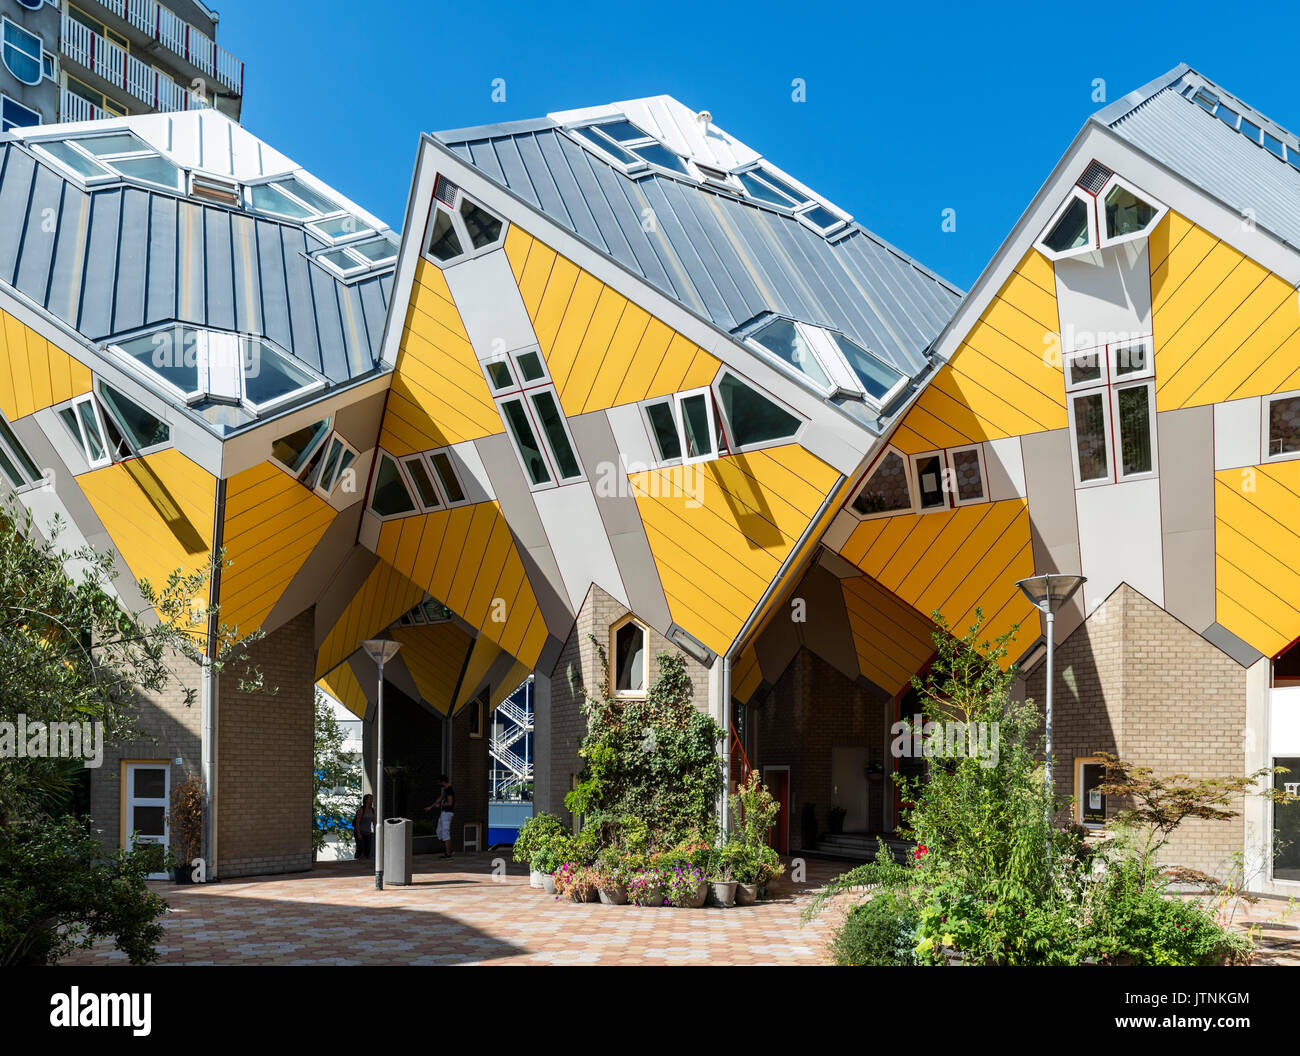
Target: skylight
1212	104
763	185
630	146
111	156
834	364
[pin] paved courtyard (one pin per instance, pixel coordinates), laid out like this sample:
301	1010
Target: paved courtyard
458	913
465	912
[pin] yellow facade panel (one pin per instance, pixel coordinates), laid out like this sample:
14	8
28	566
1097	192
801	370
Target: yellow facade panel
434	654
35	374
383	597
342	684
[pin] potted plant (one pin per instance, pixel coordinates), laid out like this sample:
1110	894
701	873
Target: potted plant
532	833
552	852
611	875
685	886
186	822
645	887
722	883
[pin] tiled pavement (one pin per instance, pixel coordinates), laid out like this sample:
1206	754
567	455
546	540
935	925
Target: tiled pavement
458	912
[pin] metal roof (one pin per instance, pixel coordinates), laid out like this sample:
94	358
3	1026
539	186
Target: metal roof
112	259
1163	121
724	257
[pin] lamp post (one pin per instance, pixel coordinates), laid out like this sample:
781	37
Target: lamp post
380	650
1049	593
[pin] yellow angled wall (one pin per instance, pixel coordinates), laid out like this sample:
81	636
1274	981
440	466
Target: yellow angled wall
435	655
34	374
893	641
720	531
602	350
272	525
383	597
342	683
1257	554
1225	327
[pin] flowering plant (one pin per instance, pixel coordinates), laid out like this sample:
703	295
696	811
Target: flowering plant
645	887
681	884
565	877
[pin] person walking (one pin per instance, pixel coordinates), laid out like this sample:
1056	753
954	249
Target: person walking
446	803
363	827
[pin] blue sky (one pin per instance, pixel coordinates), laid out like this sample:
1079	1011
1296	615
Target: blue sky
911	109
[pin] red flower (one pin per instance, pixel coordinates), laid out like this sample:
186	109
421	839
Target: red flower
920	850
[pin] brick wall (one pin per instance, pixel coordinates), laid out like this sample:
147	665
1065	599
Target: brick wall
1134	681
469	773
264	759
812	710
579	669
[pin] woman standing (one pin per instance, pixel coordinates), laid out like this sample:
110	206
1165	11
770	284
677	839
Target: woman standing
363	826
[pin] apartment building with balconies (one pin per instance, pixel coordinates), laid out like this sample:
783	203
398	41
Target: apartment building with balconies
64	61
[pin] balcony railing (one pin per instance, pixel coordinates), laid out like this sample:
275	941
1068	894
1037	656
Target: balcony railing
111	62
182	39
74	108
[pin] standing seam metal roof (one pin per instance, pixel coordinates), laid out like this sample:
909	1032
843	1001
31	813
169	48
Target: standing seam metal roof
724	258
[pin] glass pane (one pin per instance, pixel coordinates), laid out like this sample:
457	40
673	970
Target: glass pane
341	260
267	197
117	143
783	187
823	218
483	227
376	249
756	188
18	451
1135	429
450	483
269	375
661	156
1284	426
90	428
664	428
142	428
148	821
340	226
1085	368
548	413
784	340
1126	213
530	366
443	243
970	483
629	659
525	442
695	426
604	144
74	159
69	418
1249	129
330	468
877	378
390	495
1228	117
499	374
294	449
148	783
19	49
929	481
1132	359
1071	231
753	418
312	198
623	131
423	483
886	489
10	470
1090	436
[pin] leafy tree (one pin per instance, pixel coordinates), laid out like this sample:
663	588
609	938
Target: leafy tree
332	767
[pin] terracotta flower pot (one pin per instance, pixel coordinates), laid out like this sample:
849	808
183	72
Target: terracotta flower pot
653	897
697	900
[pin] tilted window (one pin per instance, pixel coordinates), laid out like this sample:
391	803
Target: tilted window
886	490
752	418
460	227
629	648
390	497
832	362
1111	407
1282	422
1101	210
535	421
15	463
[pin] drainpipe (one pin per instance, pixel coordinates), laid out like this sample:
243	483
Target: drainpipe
725	812
209	692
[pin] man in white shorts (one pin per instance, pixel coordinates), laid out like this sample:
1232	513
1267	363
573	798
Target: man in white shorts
447	802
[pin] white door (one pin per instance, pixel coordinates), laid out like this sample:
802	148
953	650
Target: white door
148	792
849	778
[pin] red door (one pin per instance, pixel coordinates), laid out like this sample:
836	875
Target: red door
778	783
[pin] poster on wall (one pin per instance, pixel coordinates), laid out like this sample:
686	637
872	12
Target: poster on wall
1286	821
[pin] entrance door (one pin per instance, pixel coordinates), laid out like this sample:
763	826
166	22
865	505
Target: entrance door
148	790
849	786
777	780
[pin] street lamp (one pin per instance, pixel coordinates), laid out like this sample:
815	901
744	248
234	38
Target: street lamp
1049	593
380	650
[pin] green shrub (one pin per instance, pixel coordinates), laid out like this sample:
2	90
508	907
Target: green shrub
533	833
880	931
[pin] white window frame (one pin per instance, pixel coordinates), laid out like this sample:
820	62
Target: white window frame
19	458
107	412
411	493
908	479
951	464
1266	437
1117	466
318	485
853	384
305	468
468	249
1090	204
74	405
131	800
639	165
680	398
1104	393
1118	181
359	264
1090	760
915	480
629	694
1101	355
727	432
524	392
108	162
49	67
765	174
427	507
841	378
652	433
314	214
8	100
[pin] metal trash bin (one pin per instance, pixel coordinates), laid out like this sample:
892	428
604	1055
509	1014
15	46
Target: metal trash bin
397	850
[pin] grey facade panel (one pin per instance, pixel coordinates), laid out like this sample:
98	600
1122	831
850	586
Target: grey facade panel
1186	437
15	193
96	317
160	303
1244	653
33	274
132	263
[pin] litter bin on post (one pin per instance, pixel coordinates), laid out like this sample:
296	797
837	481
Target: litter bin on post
397	851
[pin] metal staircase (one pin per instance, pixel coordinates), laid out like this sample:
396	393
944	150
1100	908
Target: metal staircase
512	722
